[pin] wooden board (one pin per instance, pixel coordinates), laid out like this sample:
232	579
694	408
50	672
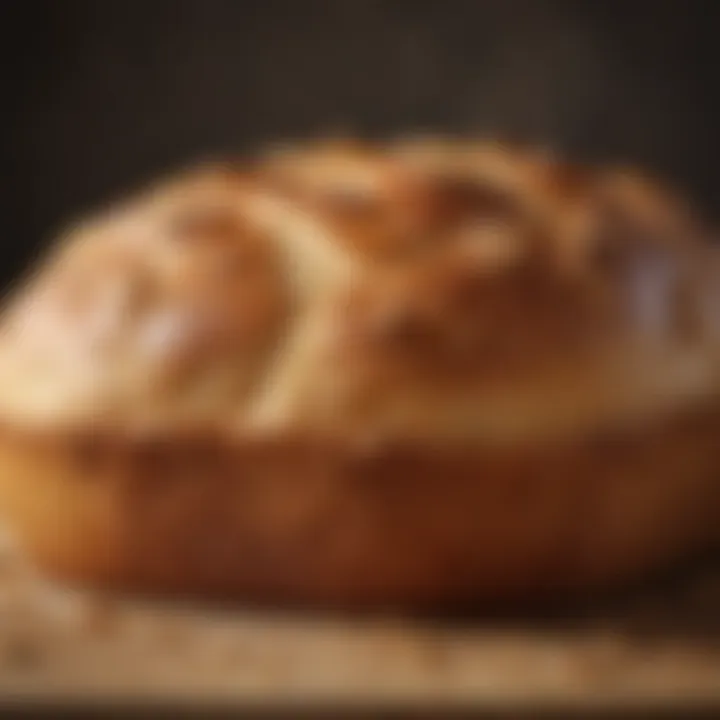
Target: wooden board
656	647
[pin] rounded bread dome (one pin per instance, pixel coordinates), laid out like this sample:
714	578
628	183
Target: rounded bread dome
436	288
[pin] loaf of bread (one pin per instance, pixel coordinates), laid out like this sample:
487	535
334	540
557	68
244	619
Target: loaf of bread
404	374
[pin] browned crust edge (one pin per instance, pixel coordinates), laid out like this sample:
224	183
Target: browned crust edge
317	522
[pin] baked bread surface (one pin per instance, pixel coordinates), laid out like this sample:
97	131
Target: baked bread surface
442	369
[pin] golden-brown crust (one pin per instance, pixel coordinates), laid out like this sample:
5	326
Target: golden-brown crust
397	525
475	318
145	306
499	268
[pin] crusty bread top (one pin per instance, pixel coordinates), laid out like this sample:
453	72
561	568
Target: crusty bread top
427	289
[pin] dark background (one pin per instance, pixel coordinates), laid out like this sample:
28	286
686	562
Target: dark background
103	94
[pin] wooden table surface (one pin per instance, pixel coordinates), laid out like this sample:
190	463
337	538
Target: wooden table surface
657	646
